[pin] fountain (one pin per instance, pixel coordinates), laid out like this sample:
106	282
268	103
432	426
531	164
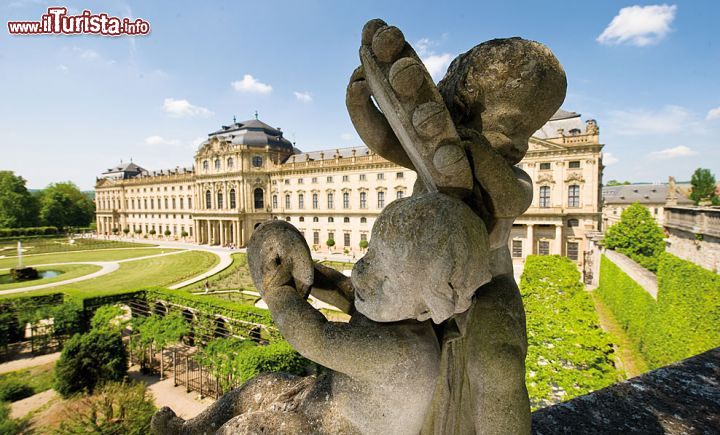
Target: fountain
21	273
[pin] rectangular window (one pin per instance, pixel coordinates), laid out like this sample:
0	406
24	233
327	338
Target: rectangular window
346	239
301	201
544	196
363	237
572	250
544	247
400	175
314	179
346	178
330	200
574	196
575	164
381	199
189	202
362	177
329	179
182	203
274	201
399	194
316	238
544	166
381	176
331	236
287	201
363	200
287	181
300	181
315	202
346	200
517	248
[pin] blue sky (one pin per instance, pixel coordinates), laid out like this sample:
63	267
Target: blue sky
72	106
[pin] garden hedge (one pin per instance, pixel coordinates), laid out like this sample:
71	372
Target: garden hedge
568	353
685	319
30	231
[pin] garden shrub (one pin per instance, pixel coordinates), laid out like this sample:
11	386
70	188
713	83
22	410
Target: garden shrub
568	353
638	236
685	319
7	425
12	389
115	408
90	359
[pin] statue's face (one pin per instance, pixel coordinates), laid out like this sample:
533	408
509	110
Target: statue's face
381	283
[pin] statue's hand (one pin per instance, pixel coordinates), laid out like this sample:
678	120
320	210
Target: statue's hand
278	255
358	91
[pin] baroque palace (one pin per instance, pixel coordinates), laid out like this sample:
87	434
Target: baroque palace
247	172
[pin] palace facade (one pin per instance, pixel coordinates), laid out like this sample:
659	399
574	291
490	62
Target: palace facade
247	172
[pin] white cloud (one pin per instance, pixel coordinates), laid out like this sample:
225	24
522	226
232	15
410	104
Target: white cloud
671	153
609	159
348	137
86	53
183	109
436	64
670	119
63	68
713	114
251	84
305	97
159	140
639	25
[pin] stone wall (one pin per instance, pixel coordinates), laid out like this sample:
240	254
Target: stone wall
704	253
682	398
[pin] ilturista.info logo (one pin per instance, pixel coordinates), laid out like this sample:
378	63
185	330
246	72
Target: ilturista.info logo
57	22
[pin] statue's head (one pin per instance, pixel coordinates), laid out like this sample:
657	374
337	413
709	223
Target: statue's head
427	256
505	89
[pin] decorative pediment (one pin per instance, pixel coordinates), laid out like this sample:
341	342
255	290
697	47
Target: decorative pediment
213	147
575	176
545	179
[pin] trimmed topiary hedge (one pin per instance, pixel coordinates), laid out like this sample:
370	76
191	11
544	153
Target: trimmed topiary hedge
30	231
685	319
568	353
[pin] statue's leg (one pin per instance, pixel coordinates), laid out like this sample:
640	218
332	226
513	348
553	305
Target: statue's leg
268	422
255	395
496	350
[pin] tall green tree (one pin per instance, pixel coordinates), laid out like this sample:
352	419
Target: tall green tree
704	186
638	236
617	183
18	208
63	205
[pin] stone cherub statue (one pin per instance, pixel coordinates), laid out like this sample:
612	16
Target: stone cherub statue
383	364
439	257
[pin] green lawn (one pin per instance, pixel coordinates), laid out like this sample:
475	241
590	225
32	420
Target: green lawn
36	379
134	275
67	257
235	277
41	245
69	271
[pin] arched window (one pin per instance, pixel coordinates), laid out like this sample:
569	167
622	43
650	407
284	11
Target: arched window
257	161
544	196
206	165
346	200
330	200
331	219
315	219
574	196
363	200
287	200
346	220
301	201
315	200
573	223
230	163
219	200
259	197
302	218
217	164
274	201
208	200
363	220
232	199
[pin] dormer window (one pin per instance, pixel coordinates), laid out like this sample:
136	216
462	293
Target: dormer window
217	164
230	162
206	165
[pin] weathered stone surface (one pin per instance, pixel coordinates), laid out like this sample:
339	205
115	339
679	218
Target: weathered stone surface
682	398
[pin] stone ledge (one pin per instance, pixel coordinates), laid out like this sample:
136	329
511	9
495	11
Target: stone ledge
682	398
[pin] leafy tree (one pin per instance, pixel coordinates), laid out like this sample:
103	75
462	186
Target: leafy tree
330	243
126	231
116	408
63	205
66	319
617	183
167	233
703	186
89	360
184	234
18	208
638	236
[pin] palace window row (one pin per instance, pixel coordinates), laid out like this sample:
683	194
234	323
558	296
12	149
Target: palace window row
573	198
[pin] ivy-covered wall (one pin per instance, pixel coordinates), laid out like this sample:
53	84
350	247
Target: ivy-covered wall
568	353
685	319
